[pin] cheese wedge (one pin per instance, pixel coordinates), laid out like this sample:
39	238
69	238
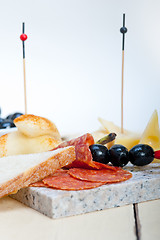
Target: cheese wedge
128	138
34	134
19	171
111	127
16	143
35	126
151	134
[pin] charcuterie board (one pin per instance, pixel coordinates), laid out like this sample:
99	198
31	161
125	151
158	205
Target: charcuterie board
143	186
87	183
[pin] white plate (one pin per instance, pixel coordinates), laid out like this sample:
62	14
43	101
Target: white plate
7	130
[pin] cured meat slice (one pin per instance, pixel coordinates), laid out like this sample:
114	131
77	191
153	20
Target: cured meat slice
84	160
83	153
38	184
83	157
86	139
103	176
64	181
98	165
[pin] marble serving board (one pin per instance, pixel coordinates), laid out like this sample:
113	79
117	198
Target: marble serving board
143	186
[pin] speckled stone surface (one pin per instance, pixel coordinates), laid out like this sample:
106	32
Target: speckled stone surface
143	186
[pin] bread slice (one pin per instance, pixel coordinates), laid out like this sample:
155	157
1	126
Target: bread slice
19	171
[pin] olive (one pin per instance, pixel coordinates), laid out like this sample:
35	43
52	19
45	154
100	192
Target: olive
141	154
6	124
99	153
119	155
1	119
9	116
14	115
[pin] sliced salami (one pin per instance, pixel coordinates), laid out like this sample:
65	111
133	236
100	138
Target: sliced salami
102	176
92	165
86	139
38	184
98	165
64	181
83	157
83	153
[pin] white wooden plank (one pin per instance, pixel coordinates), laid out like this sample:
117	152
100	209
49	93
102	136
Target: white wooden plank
20	222
149	214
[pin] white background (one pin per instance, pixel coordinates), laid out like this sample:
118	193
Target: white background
73	61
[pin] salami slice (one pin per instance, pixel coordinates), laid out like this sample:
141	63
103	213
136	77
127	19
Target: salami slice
98	165
103	176
83	157
38	184
86	139
83	153
64	181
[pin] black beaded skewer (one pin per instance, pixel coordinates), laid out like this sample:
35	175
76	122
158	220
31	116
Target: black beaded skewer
123	30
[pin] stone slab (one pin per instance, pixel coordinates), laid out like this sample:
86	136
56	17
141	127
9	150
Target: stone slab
143	186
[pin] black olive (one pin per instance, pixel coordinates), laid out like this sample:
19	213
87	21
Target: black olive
1	119
9	116
13	116
99	153
119	155
6	124
141	154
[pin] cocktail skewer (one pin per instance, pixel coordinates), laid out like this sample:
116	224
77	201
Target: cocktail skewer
24	37
123	30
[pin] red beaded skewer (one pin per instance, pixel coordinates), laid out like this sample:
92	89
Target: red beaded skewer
24	37
157	154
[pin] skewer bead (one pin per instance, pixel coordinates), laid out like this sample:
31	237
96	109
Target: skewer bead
157	154
23	37
123	30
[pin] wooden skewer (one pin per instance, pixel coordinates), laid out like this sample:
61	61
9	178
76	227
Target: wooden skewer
123	30
122	87
23	37
25	91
